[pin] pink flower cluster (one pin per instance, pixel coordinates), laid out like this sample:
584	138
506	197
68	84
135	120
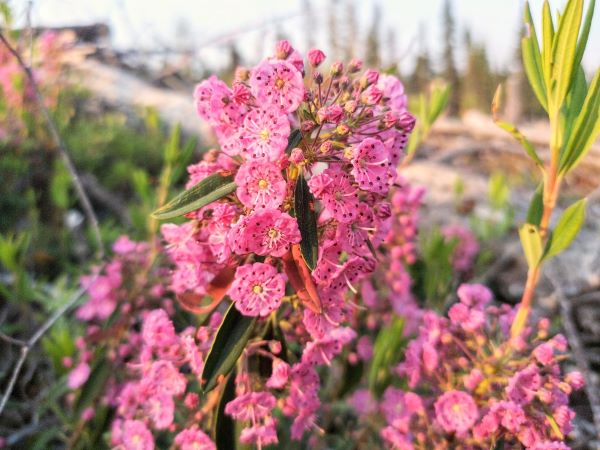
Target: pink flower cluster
466	248
156	388
478	385
348	130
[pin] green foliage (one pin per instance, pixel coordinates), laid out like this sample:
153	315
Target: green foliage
566	229
433	273
304	209
501	214
229	343
531	241
388	351
210	189
431	106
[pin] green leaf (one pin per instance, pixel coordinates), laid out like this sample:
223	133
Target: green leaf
574	105
585	32
304	209
229	343
563	51
293	140
387	352
224	433
585	129
566	229
536	207
532	60
94	387
514	131
210	189
532	244
547	39
440	94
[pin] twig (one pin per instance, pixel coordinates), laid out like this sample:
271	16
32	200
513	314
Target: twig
89	212
566	310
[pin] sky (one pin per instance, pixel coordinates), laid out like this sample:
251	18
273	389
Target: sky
209	24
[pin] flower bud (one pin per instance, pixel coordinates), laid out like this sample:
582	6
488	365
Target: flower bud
297	156
318	77
370	77
241	74
355	65
350	106
307	126
342	129
336	69
315	57
326	147
283	49
407	121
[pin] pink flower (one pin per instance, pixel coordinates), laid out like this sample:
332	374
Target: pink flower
511	415
315	57
371	166
160	409
260	185
264	134
466	248
523	385
79	375
251	406
474	295
217	228
363	402
257	289
333	187
214	104
332	314
393	91
158	330
136	436
472	379
322	350
544	353
279	375
456	411
279	84
575	379
193	439
265	232
470	320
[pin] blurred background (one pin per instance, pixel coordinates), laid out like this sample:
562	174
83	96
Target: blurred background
118	77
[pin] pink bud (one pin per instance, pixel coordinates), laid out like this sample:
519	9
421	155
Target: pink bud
350	106
241	74
355	65
283	49
297	156
372	95
315	57
407	121
307	126
326	147
370	77
336	69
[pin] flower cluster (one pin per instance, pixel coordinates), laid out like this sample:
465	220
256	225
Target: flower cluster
16	92
466	248
281	125
479	386
156	389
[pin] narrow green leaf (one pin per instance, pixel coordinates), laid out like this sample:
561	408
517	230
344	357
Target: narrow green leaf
547	39
532	244
574	105
293	140
304	209
387	352
94	387
536	207
585	32
514	131
224	426
229	343
210	189
585	129
563	51
532	59
440	94
566	229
